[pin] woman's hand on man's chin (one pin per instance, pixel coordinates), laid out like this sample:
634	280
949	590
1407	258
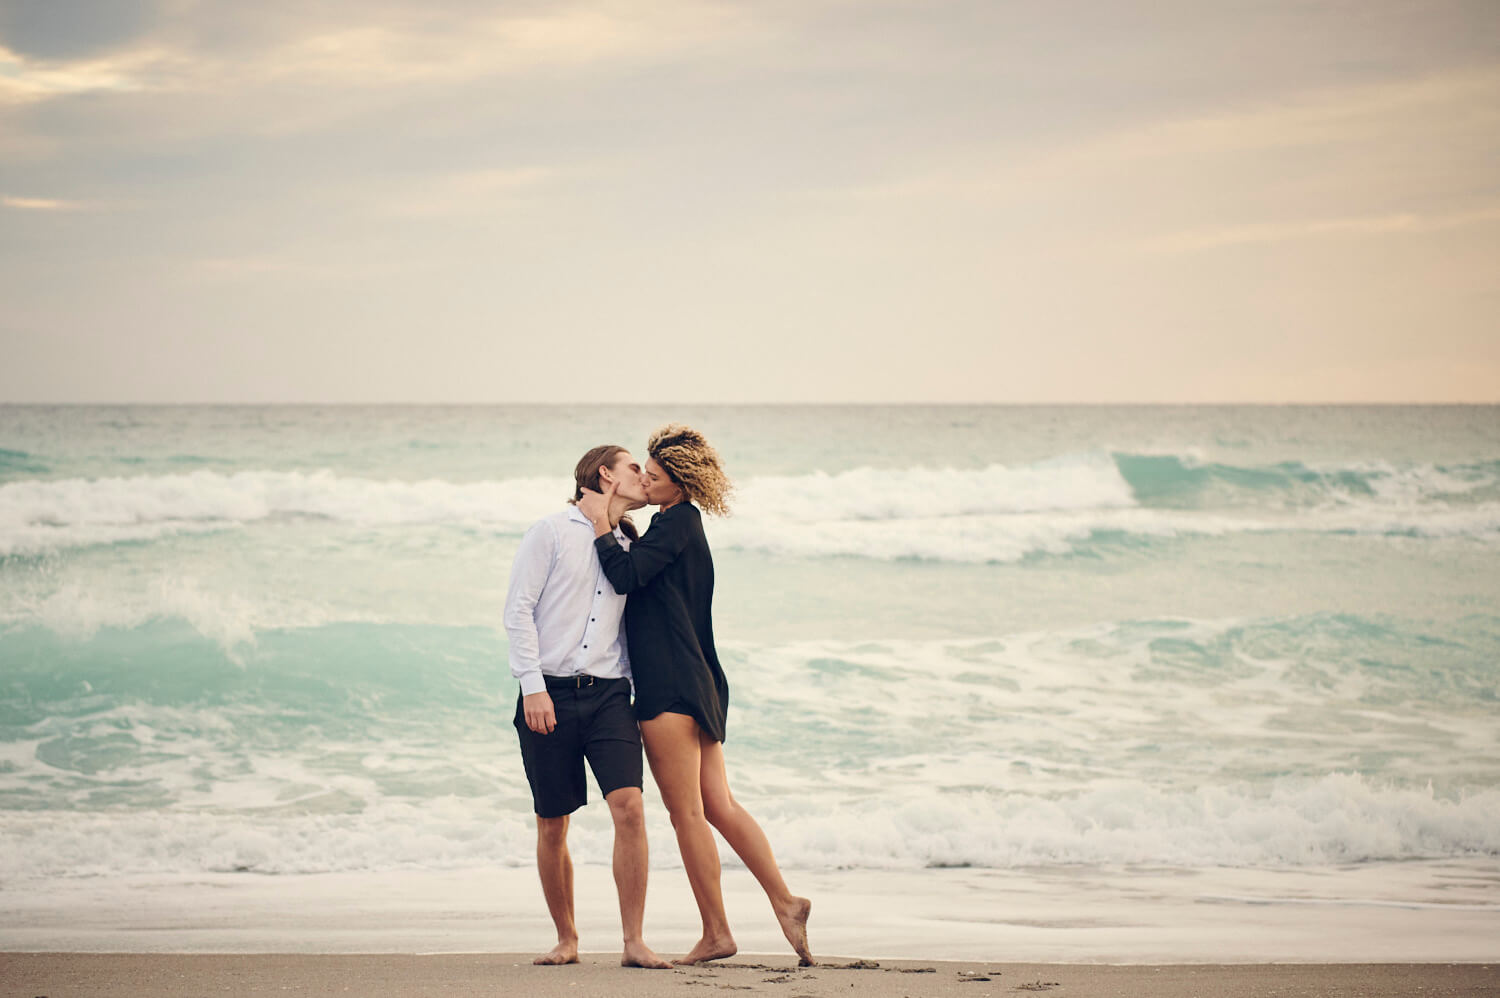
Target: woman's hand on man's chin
595	505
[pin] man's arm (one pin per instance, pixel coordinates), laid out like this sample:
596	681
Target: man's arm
528	577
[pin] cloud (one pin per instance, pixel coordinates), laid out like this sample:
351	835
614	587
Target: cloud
1458	111
53	29
443	48
24	80
1275	232
378	57
465	191
40	204
1055	172
1328	116
385	49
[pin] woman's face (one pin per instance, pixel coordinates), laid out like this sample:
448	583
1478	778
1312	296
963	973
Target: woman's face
660	490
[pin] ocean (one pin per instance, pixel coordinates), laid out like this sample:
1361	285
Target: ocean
965	645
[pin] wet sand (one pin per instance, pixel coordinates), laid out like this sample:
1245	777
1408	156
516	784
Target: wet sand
167	975
1421	913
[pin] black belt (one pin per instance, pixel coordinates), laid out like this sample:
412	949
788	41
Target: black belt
577	682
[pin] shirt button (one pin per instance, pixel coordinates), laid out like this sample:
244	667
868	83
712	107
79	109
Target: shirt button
591	620
598	592
585	646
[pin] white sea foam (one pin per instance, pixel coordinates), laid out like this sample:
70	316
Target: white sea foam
1171	703
997	513
40	515
79	614
1337	819
435	835
1480	521
1405	484
1123	709
1139	742
1080	482
972	538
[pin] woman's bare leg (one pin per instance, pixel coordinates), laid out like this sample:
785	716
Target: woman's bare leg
672	749
745	837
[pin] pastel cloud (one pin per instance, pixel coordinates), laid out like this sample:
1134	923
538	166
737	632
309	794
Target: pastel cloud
26	80
1274	232
976	194
38	204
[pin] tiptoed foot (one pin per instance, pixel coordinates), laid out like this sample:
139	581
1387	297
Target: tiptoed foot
638	954
793	919
709	948
560	954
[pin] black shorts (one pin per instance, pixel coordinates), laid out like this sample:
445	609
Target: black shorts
593	722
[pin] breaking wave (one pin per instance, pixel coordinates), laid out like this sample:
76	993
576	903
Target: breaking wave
995	513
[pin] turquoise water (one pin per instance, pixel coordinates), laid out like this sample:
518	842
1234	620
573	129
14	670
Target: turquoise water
268	638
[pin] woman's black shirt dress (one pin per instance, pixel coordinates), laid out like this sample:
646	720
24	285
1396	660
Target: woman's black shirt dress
669	576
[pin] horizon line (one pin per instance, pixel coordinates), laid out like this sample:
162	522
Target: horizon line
1414	403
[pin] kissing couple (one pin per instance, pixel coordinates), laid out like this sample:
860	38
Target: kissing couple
579	574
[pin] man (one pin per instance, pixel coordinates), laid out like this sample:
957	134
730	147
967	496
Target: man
568	652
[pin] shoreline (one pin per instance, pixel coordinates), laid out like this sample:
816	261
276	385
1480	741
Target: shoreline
166	975
1437	912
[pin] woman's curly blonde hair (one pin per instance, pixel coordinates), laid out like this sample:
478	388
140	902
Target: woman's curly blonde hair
693	464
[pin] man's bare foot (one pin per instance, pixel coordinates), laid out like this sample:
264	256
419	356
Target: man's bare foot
793	921
560	954
638	954
708	949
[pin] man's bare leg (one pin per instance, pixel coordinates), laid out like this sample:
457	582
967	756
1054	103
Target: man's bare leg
555	865
631	865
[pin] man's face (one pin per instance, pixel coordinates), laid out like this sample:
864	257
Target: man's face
629	484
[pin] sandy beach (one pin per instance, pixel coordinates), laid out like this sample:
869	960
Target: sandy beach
1434	913
161	975
874	934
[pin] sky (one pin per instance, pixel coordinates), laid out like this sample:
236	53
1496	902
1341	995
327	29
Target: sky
764	201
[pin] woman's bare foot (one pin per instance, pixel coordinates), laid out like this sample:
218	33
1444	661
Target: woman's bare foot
560	954
638	954
708	949
793	919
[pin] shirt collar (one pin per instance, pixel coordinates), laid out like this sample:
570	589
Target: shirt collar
576	515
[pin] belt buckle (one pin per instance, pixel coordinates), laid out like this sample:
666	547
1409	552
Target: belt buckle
579	681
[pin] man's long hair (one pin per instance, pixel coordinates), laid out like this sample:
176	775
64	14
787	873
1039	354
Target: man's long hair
586	476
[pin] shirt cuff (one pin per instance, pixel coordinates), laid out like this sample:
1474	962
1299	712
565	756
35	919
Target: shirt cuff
532	682
605	541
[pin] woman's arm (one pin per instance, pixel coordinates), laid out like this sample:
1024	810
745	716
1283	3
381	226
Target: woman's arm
658	547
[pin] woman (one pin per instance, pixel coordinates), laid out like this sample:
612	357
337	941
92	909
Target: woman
681	692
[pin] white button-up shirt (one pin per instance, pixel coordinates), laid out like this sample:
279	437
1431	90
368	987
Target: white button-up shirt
561	613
